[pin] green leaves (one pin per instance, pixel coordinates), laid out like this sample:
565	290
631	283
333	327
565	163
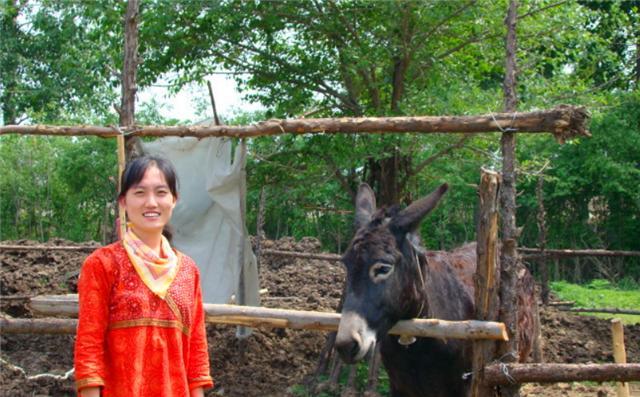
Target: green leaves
60	63
56	187
50	67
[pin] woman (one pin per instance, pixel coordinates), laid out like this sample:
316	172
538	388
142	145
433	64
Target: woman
141	325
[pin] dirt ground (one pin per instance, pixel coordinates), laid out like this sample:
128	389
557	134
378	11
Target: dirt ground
271	361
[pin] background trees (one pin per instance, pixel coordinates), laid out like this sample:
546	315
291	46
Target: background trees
331	59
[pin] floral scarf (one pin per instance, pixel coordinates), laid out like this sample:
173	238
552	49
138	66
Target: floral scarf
156	272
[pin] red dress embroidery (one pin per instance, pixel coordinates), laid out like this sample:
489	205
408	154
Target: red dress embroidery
131	342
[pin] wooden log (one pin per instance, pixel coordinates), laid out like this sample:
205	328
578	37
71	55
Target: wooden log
38	326
599	310
542	240
556	253
564	122
562	303
296	319
15	297
619	353
55	305
251	316
213	104
532	253
504	374
11	247
486	277
122	162
293	254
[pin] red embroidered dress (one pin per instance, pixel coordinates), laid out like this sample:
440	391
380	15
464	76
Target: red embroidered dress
129	341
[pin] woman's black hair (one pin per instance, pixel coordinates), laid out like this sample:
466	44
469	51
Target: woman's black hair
135	170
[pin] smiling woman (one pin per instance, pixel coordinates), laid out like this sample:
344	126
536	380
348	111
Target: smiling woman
148	195
141	321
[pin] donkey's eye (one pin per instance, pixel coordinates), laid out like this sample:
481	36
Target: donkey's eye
380	271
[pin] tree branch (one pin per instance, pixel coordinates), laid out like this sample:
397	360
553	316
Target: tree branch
418	168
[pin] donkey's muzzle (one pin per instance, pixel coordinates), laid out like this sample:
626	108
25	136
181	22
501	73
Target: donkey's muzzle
354	338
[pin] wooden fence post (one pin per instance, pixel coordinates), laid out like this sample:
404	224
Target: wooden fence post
619	353
487	277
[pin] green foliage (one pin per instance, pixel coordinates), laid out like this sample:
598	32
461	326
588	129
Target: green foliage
53	62
592	186
600	294
56	187
628	284
361	379
332	59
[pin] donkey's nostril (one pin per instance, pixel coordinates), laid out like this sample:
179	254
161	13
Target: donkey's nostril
354	349
348	350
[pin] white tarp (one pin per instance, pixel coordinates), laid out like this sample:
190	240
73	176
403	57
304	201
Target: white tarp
207	220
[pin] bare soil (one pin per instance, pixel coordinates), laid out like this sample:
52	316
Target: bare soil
269	362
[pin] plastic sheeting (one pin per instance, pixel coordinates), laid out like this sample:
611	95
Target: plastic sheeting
207	219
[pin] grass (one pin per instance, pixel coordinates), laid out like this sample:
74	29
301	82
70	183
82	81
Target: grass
602	294
362	374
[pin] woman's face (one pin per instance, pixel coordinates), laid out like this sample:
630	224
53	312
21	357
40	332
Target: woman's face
149	204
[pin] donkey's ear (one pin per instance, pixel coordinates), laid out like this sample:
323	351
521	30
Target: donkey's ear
365	205
409	218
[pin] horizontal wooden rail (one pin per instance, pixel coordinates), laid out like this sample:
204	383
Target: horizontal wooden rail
564	122
15	297
599	310
43	247
504	374
529	253
55	305
562	303
495	374
303	255
533	253
38	326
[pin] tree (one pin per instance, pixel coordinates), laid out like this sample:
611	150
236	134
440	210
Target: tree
52	62
350	58
592	186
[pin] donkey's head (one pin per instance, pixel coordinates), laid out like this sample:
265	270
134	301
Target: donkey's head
384	280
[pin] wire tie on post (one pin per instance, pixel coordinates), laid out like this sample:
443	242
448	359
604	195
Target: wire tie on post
505	372
503	366
122	132
513	119
507	129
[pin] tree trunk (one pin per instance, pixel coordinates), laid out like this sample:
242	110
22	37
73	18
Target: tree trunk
508	259
387	177
129	72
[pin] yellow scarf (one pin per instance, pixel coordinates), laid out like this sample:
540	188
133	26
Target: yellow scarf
157	273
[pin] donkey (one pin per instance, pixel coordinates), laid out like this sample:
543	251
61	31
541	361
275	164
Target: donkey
390	277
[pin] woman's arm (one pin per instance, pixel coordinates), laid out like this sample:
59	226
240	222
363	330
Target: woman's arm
197	392
95	392
198	365
93	288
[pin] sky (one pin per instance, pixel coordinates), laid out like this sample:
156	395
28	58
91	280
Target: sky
185	104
